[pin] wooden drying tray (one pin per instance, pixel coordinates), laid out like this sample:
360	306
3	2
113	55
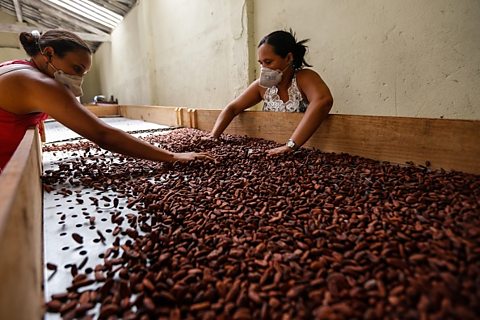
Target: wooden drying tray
448	144
21	232
441	143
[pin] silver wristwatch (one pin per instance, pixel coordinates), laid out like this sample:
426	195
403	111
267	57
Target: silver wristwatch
292	145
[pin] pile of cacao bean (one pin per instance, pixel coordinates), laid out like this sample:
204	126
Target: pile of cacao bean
305	235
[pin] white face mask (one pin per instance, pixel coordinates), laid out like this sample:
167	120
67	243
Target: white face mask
269	77
73	83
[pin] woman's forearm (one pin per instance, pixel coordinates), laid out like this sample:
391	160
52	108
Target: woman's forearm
222	122
116	140
314	116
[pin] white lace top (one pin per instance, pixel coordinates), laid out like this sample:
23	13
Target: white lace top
295	103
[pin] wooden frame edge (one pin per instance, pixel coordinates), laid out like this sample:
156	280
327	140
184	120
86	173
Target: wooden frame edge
21	272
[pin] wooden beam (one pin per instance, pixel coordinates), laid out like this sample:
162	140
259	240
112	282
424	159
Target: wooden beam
14	28
75	19
60	13
443	143
9	47
115	6
156	114
104	110
18	10
21	233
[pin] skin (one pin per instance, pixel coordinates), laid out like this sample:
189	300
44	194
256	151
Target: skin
45	94
311	86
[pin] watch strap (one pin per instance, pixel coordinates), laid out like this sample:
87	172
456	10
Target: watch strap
292	145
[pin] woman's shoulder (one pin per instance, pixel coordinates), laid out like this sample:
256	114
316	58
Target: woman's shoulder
305	76
306	73
18	61
28	79
26	71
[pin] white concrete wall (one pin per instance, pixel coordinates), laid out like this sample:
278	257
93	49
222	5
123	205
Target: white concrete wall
416	58
177	52
10	47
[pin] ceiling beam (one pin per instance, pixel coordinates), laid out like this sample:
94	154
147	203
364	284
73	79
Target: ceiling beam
15	28
18	10
9	47
59	13
114	6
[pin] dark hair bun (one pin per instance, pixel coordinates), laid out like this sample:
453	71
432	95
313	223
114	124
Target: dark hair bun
61	41
29	41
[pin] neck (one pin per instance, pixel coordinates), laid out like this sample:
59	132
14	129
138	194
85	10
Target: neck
35	62
38	64
286	77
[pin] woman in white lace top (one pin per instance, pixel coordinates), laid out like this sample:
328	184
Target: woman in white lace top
284	85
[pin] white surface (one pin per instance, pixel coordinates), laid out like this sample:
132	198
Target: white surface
55	131
59	246
187	53
415	58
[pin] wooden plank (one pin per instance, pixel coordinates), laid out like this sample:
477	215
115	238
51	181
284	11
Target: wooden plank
448	144
104	110
21	233
156	114
443	143
17	28
18	10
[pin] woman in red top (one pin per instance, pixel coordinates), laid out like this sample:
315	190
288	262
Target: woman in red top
48	84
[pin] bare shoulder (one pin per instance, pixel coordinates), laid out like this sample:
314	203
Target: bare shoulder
28	79
39	85
258	88
312	85
36	75
30	91
307	76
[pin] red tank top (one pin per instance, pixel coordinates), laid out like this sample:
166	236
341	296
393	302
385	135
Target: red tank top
13	126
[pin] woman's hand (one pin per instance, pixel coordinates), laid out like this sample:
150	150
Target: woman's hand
210	137
189	156
279	150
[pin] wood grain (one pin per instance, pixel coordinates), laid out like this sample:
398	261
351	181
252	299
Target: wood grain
104	110
161	115
443	143
20	233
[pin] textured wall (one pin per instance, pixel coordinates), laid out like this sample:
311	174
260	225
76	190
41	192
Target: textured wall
177	52
400	58
416	58
10	47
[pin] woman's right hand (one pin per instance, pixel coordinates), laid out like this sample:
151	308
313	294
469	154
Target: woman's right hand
189	156
210	137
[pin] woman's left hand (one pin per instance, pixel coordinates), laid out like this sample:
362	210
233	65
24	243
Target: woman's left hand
279	150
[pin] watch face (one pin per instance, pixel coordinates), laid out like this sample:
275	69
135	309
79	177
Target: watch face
291	144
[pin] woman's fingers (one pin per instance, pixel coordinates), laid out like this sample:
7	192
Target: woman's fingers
189	156
204	156
278	151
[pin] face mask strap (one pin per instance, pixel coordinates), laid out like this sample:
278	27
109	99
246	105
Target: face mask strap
49	58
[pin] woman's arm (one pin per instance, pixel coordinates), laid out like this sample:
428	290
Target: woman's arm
49	96
320	102
248	98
